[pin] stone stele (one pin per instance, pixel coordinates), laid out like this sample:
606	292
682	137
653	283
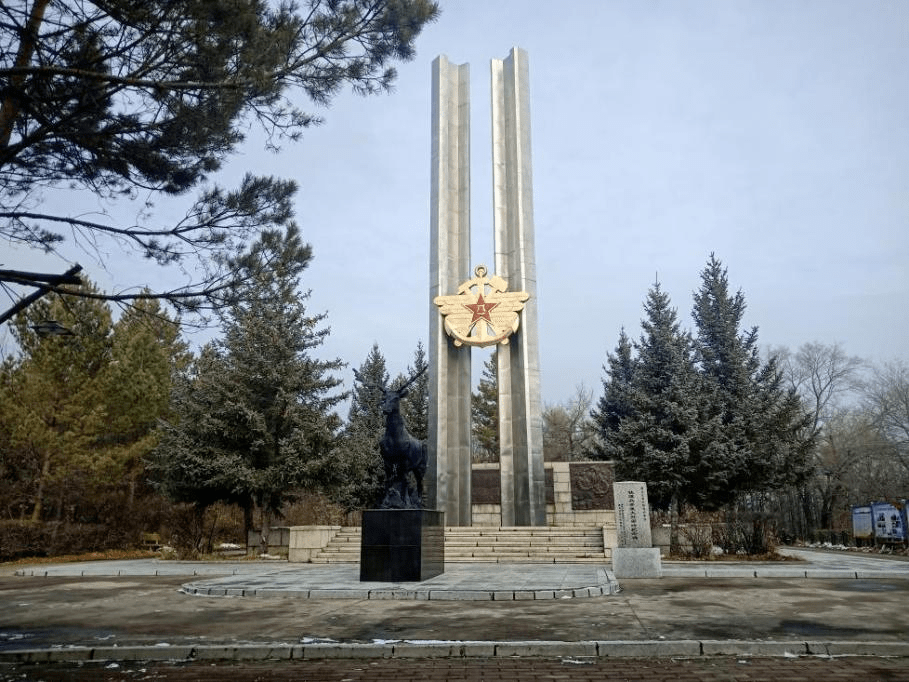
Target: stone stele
632	516
634	557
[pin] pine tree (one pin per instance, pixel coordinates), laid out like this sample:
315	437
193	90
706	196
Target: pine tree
255	416
53	405
484	408
78	412
146	353
126	98
615	404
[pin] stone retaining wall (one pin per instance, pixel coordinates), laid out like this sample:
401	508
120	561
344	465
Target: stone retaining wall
577	494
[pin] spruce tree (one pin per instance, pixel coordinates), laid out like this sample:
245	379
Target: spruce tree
362	476
660	438
415	405
256	415
195	460
615	404
757	418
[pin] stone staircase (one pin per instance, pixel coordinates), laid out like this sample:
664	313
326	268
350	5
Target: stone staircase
540	544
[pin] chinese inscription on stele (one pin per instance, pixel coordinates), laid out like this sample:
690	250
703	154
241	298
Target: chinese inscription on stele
631	514
483	312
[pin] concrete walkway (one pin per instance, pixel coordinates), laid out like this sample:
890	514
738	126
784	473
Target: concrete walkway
827	604
467	582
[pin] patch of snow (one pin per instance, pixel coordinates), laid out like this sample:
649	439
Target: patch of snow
434	641
827	545
9	637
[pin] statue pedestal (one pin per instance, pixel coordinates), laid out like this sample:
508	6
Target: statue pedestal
402	544
636	562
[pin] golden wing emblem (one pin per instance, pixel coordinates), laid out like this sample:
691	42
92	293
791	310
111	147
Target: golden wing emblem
483	312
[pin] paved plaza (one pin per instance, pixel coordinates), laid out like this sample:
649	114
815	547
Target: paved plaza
252	613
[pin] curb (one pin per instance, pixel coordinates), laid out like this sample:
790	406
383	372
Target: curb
456	649
610	588
763	572
607	584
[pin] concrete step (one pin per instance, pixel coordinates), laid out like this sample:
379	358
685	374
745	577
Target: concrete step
518	542
551	544
484	560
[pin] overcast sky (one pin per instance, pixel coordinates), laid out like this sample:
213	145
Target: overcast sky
774	134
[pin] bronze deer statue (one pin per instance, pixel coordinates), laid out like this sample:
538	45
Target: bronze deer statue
402	454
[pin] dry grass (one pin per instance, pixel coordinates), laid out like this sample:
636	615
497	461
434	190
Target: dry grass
106	555
770	556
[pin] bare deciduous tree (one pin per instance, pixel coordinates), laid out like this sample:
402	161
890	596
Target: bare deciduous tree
887	399
822	374
568	431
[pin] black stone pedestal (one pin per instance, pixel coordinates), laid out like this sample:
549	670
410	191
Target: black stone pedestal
402	544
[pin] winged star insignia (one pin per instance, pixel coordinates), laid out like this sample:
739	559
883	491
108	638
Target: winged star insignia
483	312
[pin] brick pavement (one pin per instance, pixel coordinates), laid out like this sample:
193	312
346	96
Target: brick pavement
702	669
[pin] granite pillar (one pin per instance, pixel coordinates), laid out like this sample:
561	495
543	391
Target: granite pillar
520	406
448	447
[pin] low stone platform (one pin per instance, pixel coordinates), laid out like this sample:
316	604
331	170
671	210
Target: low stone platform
460	582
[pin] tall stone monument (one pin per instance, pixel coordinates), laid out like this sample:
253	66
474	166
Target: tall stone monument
448	446
492	304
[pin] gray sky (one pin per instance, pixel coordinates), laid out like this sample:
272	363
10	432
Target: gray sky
771	133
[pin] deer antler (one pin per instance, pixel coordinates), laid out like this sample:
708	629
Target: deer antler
368	384
413	378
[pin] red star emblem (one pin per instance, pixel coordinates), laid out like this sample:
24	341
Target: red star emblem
480	309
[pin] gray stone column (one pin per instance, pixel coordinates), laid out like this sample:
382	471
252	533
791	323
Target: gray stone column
520	408
448	475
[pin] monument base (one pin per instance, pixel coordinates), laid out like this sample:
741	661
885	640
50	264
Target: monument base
636	562
402	544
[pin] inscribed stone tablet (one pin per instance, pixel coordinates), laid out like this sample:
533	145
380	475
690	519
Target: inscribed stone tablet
632	516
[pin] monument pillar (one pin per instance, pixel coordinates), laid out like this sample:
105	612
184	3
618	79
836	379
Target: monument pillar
448	448
520	409
484	310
